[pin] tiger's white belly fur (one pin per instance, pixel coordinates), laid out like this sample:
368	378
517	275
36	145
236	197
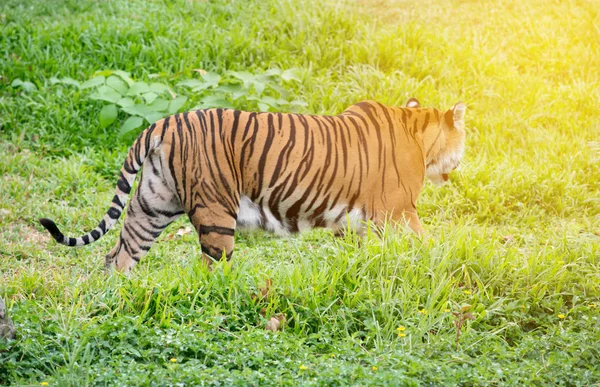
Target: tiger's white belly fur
251	216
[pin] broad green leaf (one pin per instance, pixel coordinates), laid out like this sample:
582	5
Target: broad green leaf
153	117
259	87
130	124
96	81
65	81
291	75
204	86
126	101
235	91
118	84
176	104
159	104
104	73
242	76
214	101
138	110
158	88
212	78
124	76
263	107
231	88
191	83
271	72
108	115
239	94
149	97
138	88
264	79
105	93
269	101
281	90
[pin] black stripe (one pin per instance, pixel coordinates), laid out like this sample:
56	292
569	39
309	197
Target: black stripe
150	231
218	253
113	213
102	226
148	135
216	229
86	239
170	214
130	229
284	153
128	168
234	126
95	234
270	136
164	128
117	201
123	184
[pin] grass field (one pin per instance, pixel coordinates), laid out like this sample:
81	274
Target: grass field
515	236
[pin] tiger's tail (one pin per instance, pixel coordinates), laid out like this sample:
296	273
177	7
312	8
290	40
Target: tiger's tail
136	155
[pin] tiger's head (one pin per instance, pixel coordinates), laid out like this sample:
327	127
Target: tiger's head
444	140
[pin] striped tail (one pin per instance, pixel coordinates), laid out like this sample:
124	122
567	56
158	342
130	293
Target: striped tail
132	164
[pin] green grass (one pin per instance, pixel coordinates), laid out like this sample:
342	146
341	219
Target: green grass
516	235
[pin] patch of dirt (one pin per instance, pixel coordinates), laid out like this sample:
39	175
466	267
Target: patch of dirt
31	235
27	234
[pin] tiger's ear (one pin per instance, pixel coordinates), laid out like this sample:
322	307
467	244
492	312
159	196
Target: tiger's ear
413	103
455	117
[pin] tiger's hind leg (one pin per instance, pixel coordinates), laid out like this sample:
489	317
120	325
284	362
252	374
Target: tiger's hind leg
153	207
216	228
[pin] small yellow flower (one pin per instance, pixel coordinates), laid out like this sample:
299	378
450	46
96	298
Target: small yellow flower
401	334
44	383
401	328
303	367
173	360
332	355
561	316
466	291
423	311
592	306
374	368
447	310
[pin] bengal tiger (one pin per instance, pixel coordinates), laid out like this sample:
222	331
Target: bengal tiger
229	169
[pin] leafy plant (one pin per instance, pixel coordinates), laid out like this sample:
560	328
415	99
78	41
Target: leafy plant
241	89
149	102
143	102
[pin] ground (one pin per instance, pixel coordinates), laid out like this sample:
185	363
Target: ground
514	239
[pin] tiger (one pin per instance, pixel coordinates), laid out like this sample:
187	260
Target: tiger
231	170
